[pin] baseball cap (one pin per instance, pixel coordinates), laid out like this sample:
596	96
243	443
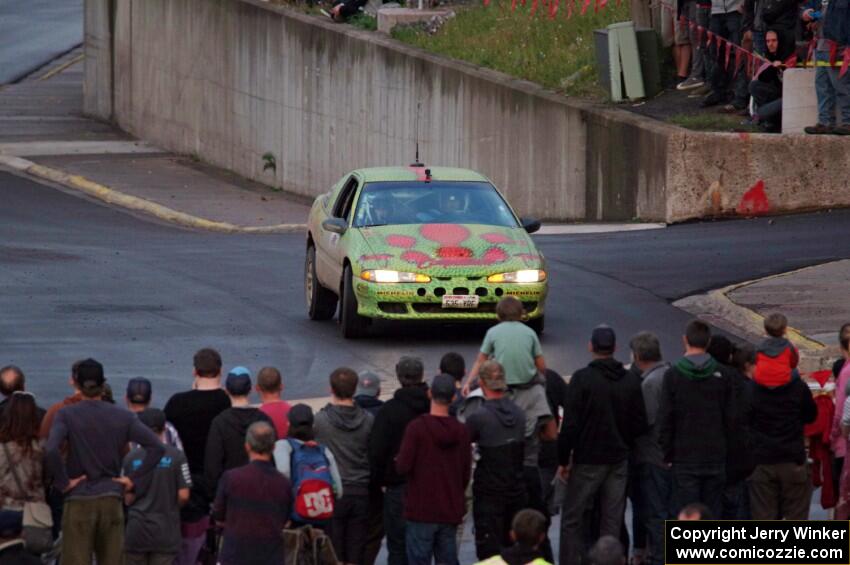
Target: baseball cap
443	387
300	415
494	381
238	381
368	384
409	367
90	375
603	339
139	390
153	418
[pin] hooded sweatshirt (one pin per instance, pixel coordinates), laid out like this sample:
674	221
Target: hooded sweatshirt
775	359
776	417
647	449
697	411
436	457
388	429
604	416
498	429
226	442
345	431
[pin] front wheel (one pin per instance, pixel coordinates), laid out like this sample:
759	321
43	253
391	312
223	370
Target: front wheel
352	324
321	302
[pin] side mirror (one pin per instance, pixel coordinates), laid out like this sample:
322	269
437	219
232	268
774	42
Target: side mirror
530	224
335	225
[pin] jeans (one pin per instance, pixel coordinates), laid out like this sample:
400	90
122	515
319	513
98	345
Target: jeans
492	514
699	13
375	529
831	91
759	45
584	483
699	482
93	526
534	492
431	541
349	527
394	524
736	503
149	558
657	486
727	26
780	491
194	536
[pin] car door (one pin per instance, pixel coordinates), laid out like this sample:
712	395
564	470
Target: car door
330	250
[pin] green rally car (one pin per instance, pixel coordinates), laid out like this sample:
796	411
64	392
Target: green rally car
419	243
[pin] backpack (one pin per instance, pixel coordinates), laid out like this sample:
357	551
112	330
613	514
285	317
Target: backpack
312	484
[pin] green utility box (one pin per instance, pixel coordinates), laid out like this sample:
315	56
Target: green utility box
635	70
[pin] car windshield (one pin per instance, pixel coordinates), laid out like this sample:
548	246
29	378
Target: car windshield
436	202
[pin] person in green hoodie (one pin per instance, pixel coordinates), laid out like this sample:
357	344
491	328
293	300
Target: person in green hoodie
696	421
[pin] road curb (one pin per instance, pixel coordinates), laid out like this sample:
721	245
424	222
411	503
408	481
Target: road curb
722	311
135	203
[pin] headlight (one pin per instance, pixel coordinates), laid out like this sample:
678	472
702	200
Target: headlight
526	276
382	276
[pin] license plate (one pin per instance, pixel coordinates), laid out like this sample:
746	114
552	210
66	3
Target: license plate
460	301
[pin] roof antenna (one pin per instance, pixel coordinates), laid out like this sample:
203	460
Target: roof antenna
417	162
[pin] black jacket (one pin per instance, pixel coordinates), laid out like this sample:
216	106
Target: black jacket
556	396
604	414
368	403
739	459
776	418
697	413
388	430
226	442
498	428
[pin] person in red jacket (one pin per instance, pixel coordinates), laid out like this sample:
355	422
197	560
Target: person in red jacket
776	357
436	457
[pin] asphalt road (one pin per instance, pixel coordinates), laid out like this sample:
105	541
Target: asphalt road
80	279
34	32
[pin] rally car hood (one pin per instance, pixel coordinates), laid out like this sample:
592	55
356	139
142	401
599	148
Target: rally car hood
448	249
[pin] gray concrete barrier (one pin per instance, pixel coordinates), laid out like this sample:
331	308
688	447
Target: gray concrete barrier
232	80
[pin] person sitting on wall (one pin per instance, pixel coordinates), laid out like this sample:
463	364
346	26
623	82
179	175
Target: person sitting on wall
766	86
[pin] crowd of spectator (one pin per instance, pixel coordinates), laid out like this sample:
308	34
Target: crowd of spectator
780	33
211	478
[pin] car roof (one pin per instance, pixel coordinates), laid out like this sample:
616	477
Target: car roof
378	174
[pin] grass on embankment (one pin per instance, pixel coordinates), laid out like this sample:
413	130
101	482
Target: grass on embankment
712	122
556	53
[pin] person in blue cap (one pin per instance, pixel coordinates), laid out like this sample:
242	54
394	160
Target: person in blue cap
226	442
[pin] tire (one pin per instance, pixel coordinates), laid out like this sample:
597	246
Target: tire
352	324
537	324
321	302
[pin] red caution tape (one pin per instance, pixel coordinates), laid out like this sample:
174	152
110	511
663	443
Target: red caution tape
738	54
728	52
710	39
585	6
700	29
833	53
844	64
791	61
811	51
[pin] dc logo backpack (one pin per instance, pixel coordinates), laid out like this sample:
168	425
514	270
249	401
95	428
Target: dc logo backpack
312	483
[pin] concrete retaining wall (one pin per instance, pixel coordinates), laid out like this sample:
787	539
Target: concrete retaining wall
232	80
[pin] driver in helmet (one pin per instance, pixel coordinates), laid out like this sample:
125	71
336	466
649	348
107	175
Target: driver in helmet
452	206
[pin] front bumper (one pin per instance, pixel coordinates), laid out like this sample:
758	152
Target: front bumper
423	301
